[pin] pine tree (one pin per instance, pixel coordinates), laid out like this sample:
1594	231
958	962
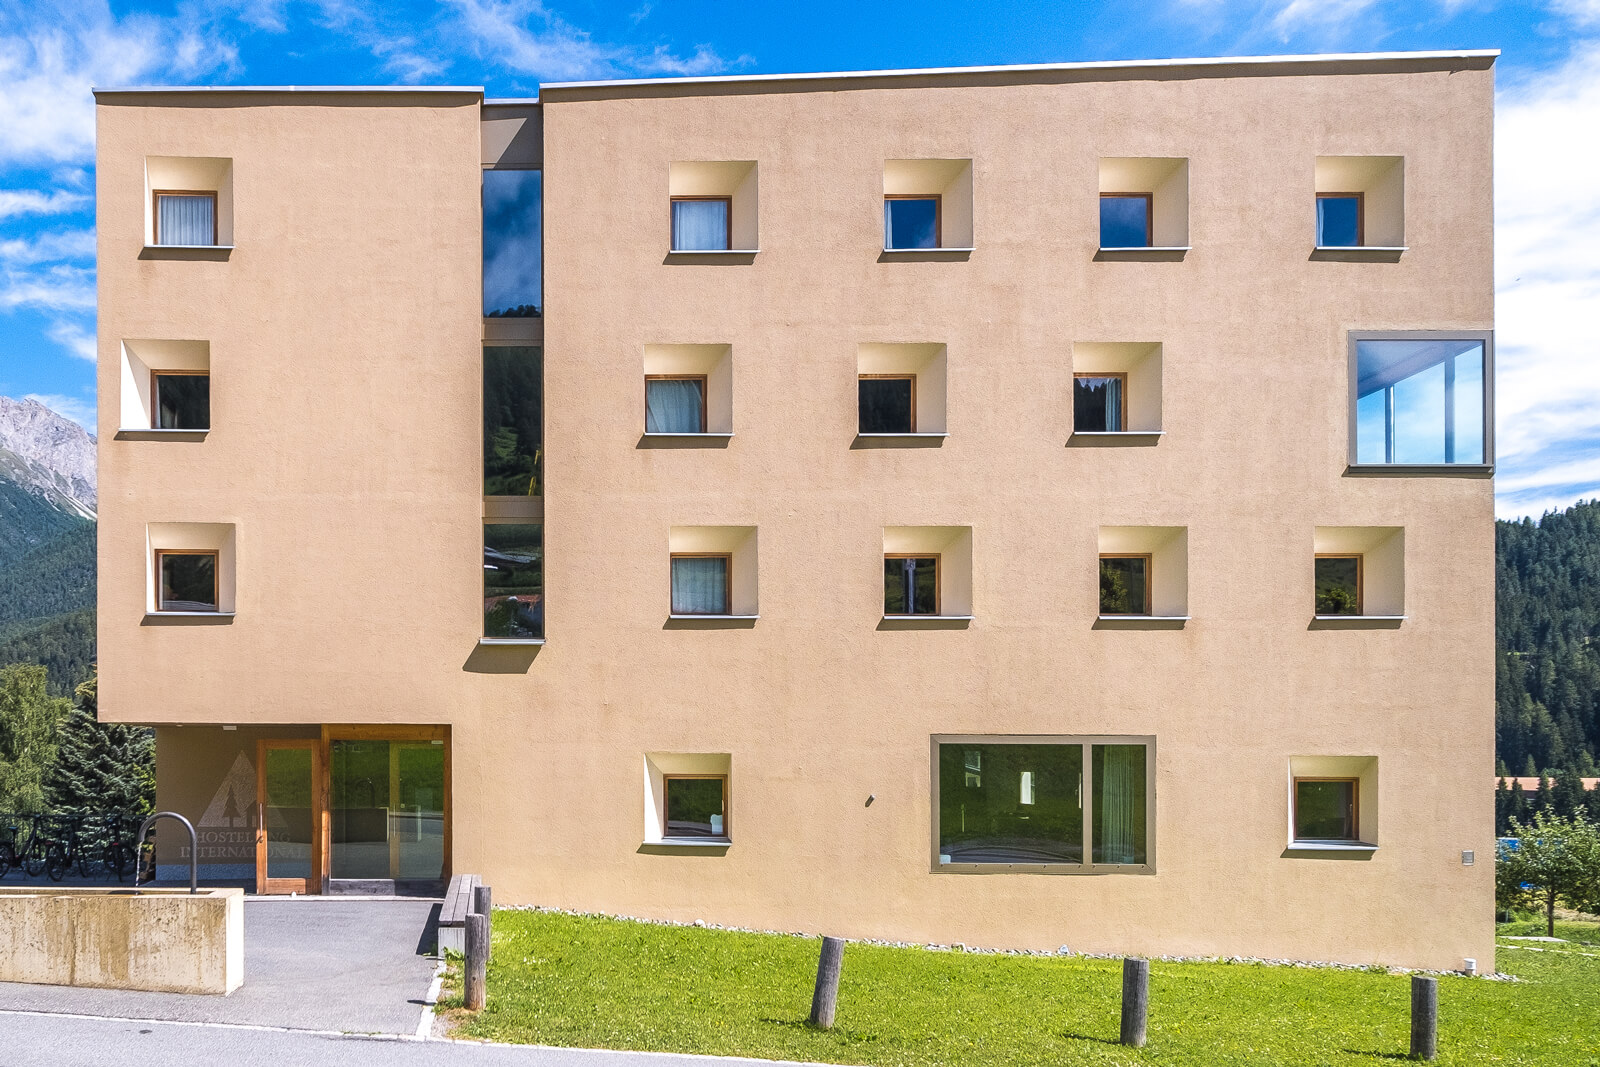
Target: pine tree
29	720
103	768
1518	805
1567	794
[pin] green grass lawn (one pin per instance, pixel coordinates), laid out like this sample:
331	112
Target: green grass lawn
1583	933
606	983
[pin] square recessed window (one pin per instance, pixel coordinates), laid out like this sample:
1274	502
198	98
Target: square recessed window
188	201
1125	220
1421	400
1144	202
185	217
700	583
910	585
1125	584
696	806
1338	585
181	400
701	223
1327	809
513	581
675	403
186	580
910	221
1099	403
887	403
1340	220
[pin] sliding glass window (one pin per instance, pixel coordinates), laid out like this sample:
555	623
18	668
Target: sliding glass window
1421	399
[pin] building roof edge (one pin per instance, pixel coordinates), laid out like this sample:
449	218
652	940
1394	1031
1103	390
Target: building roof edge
158	89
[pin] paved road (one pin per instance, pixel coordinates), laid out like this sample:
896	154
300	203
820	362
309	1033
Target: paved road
69	1041
351	965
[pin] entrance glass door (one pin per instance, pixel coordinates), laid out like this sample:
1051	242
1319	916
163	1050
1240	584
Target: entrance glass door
288	776
387	805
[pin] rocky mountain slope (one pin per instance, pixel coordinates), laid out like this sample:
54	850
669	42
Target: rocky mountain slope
47	455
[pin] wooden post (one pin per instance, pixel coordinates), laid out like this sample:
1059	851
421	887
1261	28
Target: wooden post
476	968
1424	1017
825	1000
1135	1000
483	904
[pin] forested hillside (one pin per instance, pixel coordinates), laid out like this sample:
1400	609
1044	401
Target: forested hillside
1547	669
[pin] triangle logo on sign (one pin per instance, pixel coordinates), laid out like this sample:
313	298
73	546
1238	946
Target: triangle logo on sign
235	796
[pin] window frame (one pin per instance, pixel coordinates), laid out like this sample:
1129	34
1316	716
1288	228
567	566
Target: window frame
1355	810
1122	398
1361	583
938	584
938	221
726	837
705	390
727	585
892	376
1361	218
216	580
1149	585
1352	464
1086	743
155	215
672	230
1149	218
155	399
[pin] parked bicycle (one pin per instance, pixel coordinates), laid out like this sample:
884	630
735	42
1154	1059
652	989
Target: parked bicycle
54	844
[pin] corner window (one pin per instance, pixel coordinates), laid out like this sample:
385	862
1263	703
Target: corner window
1326	809
910	221
1420	400
1099	403
675	403
701	223
185	217
1125	220
1026	803
887	403
187	580
700	584
910	585
1340	220
513	581
696	806
180	400
1338	585
1125	582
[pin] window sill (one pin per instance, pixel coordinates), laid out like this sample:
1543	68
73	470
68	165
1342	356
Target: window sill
189	614
1119	249
1359	249
1356	622
188	248
915	251
1359	618
935	436
1402	470
714	617
649	436
1330	846
150	434
510	640
1144	618
712	251
1115	437
689	842
928	618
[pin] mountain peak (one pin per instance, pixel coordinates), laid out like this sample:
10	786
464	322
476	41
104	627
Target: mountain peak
48	455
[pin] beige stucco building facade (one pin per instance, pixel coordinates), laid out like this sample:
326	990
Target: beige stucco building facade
1275	747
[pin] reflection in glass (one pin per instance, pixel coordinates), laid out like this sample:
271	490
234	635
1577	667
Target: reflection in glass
1124	585
181	401
513	580
1325	809
696	807
1124	220
1339	220
188	581
386	802
700	224
1338	585
911	585
1118	774
513	420
513	250
1420	401
288	812
700	585
887	404
675	405
1010	803
911	222
186	218
1097	403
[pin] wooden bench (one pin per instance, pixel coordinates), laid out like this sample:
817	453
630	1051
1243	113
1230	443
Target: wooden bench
453	913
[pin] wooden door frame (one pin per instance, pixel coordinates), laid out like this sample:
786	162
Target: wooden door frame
319	805
375	732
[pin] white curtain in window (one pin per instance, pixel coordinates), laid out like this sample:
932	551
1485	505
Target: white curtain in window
699	586
1119	795
672	406
186	220
699	225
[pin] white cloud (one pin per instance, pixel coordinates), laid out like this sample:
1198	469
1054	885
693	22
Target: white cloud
39	202
1299	15
48	247
1583	12
75	338
401	53
59	288
75	408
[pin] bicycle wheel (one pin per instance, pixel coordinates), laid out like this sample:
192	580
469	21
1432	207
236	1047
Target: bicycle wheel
55	863
8	860
86	863
33	861
117	861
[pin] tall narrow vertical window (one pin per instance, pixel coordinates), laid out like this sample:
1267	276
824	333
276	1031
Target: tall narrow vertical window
1326	809
910	585
184	217
701	223
1340	220
887	403
911	221
1125	220
1125	582
513	581
1421	400
696	805
675	403
513	243
180	400
187	580
1338	584
1099	403
700	584
1120	819
513	420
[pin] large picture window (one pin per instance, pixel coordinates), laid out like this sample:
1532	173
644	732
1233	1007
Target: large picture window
1421	399
1031	802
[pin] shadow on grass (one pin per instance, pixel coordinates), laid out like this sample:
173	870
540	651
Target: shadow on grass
1377	1055
1070	1036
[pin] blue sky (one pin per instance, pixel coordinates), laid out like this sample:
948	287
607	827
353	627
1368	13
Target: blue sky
1547	150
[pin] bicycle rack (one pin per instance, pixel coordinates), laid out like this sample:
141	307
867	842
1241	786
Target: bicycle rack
194	848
